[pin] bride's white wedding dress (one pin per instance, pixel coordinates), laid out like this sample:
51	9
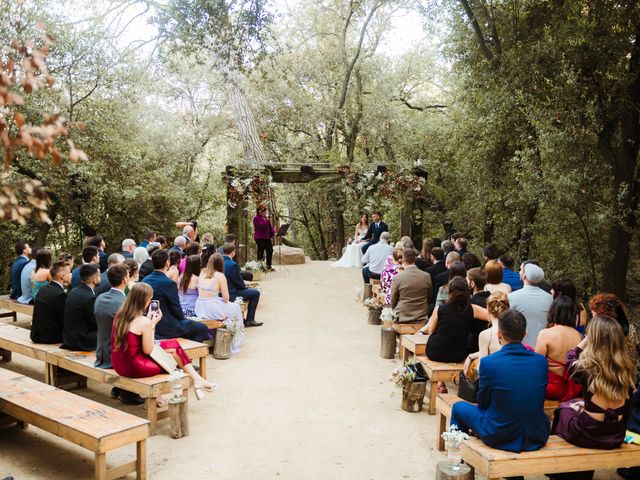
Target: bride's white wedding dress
352	257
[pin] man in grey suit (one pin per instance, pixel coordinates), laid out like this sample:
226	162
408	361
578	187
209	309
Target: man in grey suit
411	291
105	308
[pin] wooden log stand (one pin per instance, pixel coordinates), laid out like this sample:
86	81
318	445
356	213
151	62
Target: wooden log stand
387	342
367	291
222	345
374	316
413	396
179	417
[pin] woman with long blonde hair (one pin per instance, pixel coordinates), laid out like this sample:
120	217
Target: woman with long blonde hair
599	363
132	340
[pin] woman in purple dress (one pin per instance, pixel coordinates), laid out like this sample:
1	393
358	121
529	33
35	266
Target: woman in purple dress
263	232
188	285
600	365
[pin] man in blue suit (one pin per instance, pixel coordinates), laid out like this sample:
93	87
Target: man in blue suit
23	251
375	230
173	323
513	381
237	287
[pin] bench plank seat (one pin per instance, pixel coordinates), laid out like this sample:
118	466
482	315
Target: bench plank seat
445	401
416	344
14	308
86	423
557	456
438	372
149	388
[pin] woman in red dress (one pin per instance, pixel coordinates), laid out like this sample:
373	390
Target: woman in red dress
132	340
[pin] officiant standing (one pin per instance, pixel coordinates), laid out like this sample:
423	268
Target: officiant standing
263	232
375	229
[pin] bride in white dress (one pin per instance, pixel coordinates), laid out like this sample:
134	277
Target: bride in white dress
352	257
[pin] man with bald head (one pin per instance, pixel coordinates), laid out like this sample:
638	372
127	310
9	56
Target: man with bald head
128	246
375	257
443	278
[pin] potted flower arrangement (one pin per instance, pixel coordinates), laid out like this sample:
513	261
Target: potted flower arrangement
453	439
375	309
414	386
258	268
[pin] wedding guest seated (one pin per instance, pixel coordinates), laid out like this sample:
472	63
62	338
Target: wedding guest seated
214	300
457	269
65	257
393	265
48	306
41	275
132	269
165	290
147	266
192	248
531	301
162	242
188	286
207	237
490	252
175	258
80	330
607	376
633	425
609	305
494	278
477	279
98	242
487	340
104	285
133	340
104	310
460	243
23	251
140	255
237	287
509	276
438	264
470	261
443	278
179	243
554	342
424	261
374	258
565	286
89	255
410	290
510	412
148	238
450	324
128	247
26	287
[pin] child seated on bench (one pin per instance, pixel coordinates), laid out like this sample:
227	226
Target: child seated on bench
513	381
132	341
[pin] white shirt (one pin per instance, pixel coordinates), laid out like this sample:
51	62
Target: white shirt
376	256
533	303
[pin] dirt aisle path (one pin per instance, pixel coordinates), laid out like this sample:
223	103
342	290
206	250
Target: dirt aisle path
307	398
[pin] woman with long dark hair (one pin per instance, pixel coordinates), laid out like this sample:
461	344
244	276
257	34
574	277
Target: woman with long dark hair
41	274
132	341
188	285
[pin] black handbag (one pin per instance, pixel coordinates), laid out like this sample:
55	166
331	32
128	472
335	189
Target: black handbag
467	389
418	370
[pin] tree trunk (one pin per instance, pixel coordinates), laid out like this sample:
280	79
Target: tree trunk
243	117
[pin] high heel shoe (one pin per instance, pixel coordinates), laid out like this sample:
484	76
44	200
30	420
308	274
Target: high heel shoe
200	389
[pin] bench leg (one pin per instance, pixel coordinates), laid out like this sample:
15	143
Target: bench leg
433	392
203	367
5	354
442	426
141	460
101	467
152	415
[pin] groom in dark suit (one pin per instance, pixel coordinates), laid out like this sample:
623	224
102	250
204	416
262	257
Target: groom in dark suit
375	229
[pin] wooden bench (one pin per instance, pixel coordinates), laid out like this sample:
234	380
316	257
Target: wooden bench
445	401
149	388
407	328
416	344
438	372
79	420
14	308
557	456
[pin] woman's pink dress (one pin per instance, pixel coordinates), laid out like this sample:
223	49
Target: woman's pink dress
132	362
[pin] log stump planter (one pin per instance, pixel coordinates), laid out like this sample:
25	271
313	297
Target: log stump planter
374	316
387	343
179	417
367	291
222	345
413	396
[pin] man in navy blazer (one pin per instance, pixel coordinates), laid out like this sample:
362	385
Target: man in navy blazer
375	230
513	382
173	323
23	250
237	287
